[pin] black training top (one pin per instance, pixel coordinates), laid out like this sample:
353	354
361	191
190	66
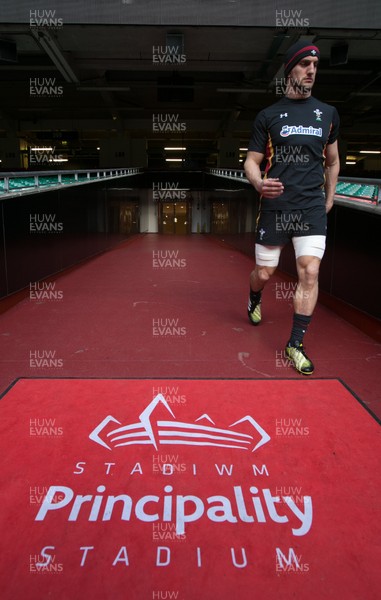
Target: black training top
293	134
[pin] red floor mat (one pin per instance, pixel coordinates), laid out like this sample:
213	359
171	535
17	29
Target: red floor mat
188	489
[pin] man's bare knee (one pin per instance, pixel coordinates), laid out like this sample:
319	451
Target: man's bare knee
264	273
308	270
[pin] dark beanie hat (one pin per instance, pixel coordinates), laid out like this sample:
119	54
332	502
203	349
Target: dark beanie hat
297	52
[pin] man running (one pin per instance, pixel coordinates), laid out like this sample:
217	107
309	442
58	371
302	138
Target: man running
298	137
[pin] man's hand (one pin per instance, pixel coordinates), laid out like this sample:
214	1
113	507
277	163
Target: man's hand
267	187
328	205
271	188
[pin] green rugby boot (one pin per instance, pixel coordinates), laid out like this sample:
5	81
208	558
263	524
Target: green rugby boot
299	359
254	312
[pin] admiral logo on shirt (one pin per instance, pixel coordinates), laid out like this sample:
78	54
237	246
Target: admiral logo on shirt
299	129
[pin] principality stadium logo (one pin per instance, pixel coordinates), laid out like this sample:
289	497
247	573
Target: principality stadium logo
148	431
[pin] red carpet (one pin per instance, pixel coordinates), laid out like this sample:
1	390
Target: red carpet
189	489
105	320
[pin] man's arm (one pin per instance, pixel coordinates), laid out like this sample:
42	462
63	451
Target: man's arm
331	172
252	169
268	188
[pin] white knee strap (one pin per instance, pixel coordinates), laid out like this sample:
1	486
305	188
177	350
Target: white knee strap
267	256
309	245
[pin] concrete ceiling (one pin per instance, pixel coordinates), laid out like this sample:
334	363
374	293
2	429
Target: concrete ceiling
106	81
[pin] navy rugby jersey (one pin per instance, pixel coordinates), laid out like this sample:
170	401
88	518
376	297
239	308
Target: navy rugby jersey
293	134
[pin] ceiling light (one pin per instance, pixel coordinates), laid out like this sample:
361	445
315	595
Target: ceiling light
244	149
370	151
43	149
174	148
350	162
173	159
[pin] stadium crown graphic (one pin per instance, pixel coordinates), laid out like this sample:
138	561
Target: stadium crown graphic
148	431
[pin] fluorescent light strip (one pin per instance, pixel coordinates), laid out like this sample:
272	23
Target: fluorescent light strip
43	149
173	159
370	151
174	148
350	162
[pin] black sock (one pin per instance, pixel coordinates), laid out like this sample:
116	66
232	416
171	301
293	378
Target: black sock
255	297
299	327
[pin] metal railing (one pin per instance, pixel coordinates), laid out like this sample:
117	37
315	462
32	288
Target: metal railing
24	182
354	201
235	174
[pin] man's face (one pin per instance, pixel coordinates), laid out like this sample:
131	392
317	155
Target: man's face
304	73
